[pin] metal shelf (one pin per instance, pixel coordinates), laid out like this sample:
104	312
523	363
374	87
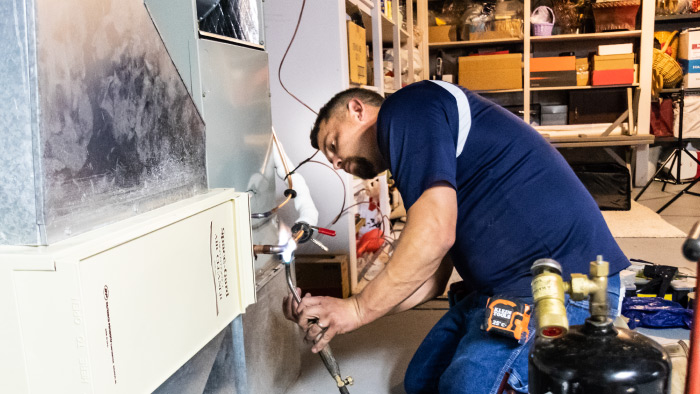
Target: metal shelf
498	91
589	36
678	90
368	87
583	87
558	37
677	18
461	44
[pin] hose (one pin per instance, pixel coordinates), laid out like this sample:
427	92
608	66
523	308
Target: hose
326	354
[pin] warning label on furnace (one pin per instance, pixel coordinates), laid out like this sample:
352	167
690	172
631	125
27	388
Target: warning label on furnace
217	252
108	332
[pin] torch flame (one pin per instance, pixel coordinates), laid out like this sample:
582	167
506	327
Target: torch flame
289	251
285	238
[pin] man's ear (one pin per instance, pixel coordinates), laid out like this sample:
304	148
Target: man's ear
356	109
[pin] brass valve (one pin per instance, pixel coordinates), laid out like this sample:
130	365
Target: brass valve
548	291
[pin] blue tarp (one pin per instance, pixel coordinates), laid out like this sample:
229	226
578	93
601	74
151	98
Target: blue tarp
655	312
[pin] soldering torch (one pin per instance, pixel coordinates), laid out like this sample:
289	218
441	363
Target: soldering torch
303	232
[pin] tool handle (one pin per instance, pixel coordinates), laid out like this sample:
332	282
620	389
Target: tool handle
691	246
329	361
325	231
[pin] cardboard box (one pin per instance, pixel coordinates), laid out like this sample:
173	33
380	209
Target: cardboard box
553	71
553	114
555	63
615	49
689	57
325	275
613	62
608	183
613	77
444	33
582	71
489	35
357	53
491	72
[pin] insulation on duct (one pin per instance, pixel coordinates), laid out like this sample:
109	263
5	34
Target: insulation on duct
237	19
97	124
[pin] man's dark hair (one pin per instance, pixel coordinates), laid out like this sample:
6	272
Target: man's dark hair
340	101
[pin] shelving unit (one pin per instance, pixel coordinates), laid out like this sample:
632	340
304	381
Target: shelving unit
581	44
589	36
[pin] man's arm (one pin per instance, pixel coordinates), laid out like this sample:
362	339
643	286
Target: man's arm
432	287
428	235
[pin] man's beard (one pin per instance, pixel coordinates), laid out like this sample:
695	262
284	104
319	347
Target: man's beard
362	167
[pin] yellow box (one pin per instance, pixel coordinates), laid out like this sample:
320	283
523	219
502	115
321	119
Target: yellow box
491	72
582	74
357	53
442	33
613	62
489	35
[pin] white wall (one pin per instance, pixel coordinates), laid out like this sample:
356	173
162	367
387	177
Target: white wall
314	70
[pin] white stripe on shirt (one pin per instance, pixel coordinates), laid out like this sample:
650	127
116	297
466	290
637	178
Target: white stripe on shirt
465	116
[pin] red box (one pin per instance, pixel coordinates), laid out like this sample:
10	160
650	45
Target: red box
623	76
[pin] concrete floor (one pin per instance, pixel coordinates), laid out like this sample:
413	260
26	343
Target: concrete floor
377	355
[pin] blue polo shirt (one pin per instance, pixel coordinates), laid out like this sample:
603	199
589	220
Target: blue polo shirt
518	199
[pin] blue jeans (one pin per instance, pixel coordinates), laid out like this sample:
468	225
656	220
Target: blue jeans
457	357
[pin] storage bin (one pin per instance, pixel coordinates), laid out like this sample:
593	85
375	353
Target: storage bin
444	33
608	183
553	114
615	15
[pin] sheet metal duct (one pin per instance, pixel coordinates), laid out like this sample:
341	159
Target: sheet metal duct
96	123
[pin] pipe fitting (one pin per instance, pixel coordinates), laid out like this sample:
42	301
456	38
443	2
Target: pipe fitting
268	249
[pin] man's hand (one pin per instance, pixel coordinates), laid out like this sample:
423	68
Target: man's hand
322	318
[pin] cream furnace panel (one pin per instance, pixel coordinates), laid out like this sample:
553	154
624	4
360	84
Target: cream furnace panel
119	309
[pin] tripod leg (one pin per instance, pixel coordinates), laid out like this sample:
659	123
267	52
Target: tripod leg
692	156
653	178
677	196
676	156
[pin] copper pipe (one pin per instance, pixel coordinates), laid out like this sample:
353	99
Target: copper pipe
268	249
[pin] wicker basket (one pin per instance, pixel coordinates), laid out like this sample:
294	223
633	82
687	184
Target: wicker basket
567	16
666	36
615	15
543	29
666	66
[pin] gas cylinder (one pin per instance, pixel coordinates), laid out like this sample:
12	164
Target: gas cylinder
596	357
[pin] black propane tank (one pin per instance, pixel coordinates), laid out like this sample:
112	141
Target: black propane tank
593	358
598	359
